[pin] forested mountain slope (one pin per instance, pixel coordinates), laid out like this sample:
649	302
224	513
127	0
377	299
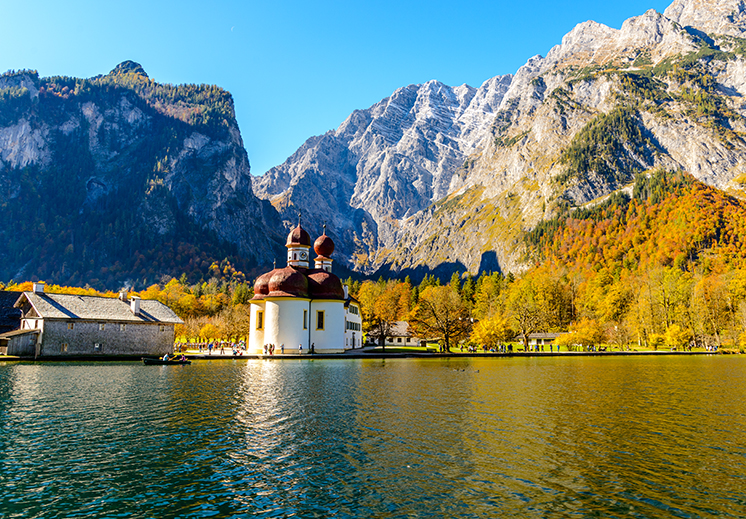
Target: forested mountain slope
118	180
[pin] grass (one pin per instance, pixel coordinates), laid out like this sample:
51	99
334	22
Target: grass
403	349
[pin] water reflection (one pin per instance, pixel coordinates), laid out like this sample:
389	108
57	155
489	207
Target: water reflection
583	437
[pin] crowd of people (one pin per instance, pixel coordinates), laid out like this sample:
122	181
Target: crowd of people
218	347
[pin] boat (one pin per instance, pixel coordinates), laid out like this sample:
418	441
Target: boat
151	361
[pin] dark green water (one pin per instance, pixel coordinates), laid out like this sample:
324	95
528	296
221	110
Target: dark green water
553	437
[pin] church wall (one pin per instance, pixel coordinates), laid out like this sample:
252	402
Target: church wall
332	338
284	324
256	337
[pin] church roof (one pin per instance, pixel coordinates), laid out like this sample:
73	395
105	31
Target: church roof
323	246
298	236
294	281
288	282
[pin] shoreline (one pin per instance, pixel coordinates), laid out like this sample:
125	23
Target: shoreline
363	355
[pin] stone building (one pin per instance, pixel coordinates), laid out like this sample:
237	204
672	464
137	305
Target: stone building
64	325
399	335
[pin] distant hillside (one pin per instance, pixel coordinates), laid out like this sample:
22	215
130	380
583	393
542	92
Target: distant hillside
668	220
120	180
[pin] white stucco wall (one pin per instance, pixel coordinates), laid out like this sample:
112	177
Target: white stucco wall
356	335
332	338
256	337
284	324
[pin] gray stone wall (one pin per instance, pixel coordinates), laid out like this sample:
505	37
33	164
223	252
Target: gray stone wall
135	339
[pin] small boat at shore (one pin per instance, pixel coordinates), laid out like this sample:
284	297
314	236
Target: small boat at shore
152	361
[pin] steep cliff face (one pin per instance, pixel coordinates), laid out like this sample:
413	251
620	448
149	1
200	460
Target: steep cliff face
118	179
452	178
384	164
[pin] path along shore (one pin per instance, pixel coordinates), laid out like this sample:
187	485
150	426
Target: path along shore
377	354
368	354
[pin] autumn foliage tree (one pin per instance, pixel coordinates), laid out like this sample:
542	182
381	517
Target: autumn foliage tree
442	314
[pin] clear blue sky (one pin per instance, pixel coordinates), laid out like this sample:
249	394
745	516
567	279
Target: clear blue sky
295	68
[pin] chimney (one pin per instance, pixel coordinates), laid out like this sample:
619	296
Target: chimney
123	296
346	291
135	305
38	287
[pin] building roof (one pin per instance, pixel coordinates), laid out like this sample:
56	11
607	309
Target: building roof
14	333
519	337
94	308
298	237
400	329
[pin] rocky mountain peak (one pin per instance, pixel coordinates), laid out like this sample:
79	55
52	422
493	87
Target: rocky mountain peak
710	16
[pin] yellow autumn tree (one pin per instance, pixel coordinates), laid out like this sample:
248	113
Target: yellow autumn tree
490	332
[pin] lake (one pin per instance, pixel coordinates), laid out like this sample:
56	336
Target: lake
535	437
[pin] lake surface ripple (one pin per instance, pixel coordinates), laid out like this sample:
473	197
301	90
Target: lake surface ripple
640	437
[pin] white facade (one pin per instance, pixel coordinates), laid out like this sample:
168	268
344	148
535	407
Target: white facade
295	322
256	330
327	326
284	324
353	326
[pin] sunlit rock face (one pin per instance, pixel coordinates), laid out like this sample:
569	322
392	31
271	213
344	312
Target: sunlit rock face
451	177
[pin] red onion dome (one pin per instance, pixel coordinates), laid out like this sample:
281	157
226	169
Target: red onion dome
324	246
324	285
288	282
298	236
261	285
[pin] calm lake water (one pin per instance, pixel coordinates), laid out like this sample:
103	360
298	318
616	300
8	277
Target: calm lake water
528	437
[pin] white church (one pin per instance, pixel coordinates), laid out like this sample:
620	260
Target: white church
299	308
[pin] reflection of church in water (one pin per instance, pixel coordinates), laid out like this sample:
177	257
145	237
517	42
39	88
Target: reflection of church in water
298	306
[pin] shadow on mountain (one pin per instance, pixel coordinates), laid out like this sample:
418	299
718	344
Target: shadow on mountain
488	263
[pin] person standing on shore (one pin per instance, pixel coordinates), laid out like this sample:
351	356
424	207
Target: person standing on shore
300	349
282	348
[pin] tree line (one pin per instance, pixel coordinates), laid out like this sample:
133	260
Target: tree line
665	267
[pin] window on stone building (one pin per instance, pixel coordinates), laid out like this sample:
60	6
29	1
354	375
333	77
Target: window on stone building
97	346
260	320
63	347
162	328
305	319
320	320
122	327
70	326
101	326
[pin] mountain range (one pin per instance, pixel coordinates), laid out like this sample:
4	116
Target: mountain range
451	178
118	179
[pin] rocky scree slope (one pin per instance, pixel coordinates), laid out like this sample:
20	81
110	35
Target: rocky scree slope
451	178
119	180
